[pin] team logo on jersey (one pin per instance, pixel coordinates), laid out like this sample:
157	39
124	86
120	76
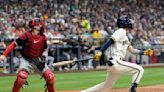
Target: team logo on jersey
124	42
36	41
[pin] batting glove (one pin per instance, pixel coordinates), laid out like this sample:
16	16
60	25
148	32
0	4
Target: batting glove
148	52
98	56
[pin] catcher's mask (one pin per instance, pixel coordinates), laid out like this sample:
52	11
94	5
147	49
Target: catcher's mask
35	22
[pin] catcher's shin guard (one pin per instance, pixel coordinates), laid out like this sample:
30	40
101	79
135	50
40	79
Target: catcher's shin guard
49	77
21	79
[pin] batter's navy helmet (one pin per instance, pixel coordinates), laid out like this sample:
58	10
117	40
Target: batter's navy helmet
124	22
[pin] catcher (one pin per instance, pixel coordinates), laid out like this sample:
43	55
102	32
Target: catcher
115	49
34	45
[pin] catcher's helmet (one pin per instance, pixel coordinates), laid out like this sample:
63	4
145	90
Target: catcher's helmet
124	22
34	22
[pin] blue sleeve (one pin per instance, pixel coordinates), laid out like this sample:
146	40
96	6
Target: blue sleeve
141	52
106	45
98	48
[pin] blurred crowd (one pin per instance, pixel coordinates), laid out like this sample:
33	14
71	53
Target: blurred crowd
91	21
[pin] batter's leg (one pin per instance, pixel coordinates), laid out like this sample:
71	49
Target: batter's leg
136	78
110	80
134	69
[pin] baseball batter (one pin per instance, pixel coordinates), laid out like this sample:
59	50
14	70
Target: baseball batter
115	49
34	45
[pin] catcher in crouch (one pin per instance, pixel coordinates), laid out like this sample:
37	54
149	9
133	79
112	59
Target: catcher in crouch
34	45
115	49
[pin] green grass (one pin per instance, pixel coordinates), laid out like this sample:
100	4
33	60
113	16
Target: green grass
82	80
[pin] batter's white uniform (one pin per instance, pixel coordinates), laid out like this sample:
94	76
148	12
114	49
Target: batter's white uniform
117	52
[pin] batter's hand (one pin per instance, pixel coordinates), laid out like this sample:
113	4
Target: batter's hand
98	56
2	57
148	52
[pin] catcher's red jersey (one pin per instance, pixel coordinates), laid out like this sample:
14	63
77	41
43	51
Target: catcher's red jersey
33	45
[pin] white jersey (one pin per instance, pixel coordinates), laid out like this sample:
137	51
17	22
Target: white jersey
121	43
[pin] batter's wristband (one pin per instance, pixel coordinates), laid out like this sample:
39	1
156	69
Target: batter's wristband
141	52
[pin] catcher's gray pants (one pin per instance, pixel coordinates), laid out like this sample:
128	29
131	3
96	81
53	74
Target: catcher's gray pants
25	64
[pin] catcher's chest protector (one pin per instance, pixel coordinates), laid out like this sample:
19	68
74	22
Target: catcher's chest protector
35	46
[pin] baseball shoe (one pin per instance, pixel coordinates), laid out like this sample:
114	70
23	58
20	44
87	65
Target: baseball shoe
133	87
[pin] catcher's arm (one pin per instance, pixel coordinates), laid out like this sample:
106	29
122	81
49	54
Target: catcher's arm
8	50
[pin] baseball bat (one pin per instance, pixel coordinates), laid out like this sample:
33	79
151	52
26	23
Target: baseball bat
62	63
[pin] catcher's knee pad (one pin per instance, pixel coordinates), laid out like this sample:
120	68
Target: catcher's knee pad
49	76
22	76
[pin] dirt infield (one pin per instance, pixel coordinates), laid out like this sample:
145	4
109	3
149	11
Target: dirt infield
157	88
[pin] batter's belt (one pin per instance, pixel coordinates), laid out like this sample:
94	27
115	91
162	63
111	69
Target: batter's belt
109	63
